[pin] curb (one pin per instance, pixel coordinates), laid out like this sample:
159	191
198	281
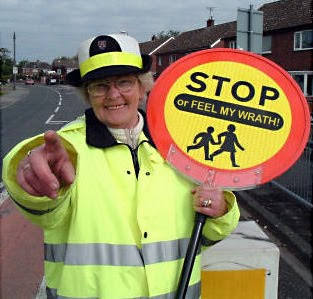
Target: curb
11	96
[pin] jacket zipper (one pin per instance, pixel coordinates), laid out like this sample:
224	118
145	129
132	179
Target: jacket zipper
134	153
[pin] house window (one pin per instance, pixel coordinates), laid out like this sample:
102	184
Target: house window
300	80
305	81
159	60
172	58
303	40
267	44
310	85
232	44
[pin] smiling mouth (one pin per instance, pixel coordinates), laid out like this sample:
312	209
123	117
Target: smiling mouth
116	107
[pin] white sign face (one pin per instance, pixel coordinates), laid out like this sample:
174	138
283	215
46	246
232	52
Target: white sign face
15	69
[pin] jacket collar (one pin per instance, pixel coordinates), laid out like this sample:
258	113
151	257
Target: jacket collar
98	135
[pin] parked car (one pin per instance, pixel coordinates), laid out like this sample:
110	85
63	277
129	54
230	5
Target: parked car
29	82
51	80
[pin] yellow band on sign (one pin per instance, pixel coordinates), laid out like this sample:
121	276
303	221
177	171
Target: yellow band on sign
109	59
233	108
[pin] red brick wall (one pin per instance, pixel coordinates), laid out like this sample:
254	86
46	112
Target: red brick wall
166	62
161	68
284	55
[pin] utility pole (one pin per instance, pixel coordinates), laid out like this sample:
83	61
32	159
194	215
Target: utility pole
14	62
250	27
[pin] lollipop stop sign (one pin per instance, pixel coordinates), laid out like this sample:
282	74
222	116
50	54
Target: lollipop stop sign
229	117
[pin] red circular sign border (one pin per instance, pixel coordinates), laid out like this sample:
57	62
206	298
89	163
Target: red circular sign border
163	139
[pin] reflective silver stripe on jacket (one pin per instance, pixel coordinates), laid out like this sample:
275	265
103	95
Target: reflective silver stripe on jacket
193	292
116	255
93	254
164	251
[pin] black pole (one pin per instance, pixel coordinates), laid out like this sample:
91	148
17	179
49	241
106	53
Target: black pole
14	61
190	256
250	28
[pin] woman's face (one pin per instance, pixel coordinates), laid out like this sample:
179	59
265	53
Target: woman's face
115	100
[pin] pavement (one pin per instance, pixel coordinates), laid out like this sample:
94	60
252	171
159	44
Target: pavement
21	254
9	95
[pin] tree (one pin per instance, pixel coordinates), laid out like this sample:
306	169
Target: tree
22	63
6	64
4	53
166	35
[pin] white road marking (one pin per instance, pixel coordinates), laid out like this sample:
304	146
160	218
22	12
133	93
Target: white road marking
49	119
41	294
56	122
3	193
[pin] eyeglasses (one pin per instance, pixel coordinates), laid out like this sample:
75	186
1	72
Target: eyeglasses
101	88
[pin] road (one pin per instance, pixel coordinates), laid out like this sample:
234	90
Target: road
35	109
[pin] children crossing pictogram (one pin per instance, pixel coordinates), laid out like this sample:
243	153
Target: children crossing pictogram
230	143
206	139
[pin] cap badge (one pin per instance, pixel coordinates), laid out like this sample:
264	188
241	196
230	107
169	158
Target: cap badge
102	44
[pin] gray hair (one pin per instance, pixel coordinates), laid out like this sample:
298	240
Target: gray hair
147	81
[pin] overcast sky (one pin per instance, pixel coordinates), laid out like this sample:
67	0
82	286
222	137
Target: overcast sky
48	29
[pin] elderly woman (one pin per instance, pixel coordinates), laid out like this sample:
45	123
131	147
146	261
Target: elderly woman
116	217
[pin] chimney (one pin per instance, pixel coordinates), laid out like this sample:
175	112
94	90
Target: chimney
210	22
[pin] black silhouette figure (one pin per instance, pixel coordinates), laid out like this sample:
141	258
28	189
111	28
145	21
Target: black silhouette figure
206	139
229	144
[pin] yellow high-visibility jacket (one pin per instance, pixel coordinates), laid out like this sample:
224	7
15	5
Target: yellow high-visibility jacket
121	230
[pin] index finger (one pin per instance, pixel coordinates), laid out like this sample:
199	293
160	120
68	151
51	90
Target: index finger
58	158
53	145
41	168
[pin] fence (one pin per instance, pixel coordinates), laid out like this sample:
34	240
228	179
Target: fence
298	179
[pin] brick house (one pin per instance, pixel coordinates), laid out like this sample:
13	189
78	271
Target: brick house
152	47
34	69
64	65
287	40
